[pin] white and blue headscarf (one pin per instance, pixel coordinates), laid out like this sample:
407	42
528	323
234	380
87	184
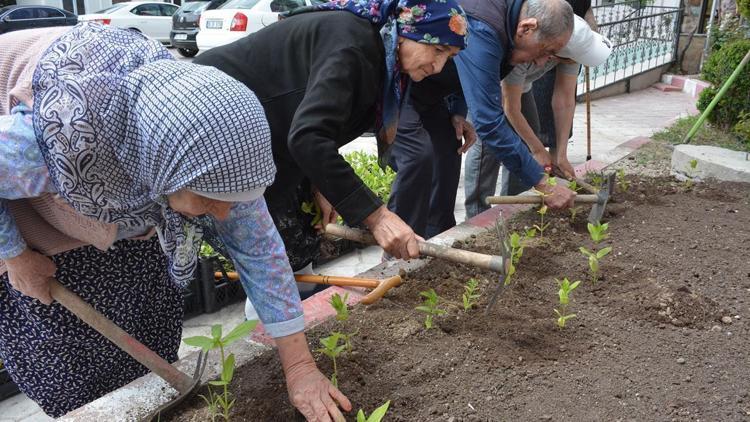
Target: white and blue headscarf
121	124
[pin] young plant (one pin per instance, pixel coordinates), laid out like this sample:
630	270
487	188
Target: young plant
339	305
220	404
598	232
332	349
693	164
594	257
597	180
313	209
430	306
516	243
376	416
573	185
566	287
471	294
621	181
342	314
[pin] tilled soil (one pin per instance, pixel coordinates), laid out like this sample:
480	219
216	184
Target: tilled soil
662	336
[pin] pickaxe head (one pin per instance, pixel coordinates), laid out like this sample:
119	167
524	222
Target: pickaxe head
597	211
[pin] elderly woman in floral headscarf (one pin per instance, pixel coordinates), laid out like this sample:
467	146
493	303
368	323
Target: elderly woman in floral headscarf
128	139
325	75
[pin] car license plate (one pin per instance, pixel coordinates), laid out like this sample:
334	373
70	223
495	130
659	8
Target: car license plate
214	23
180	36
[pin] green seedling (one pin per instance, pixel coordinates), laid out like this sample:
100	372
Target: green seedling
471	294
339	305
221	404
597	180
598	232
313	209
541	227
621	181
573	185
332	349
594	257
516	243
430	306
376	416
342	314
693	164
566	287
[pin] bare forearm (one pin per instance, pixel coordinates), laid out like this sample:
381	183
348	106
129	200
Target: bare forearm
294	354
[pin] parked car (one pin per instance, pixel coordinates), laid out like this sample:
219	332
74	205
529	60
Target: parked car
13	18
185	25
238	18
151	18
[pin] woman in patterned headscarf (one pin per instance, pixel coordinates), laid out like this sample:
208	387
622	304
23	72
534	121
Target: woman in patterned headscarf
131	139
325	75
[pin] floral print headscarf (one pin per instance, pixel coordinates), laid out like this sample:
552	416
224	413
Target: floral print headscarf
426	21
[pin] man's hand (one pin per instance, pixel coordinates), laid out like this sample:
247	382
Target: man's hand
392	234
328	213
562	163
309	390
29	273
543	157
556	197
465	131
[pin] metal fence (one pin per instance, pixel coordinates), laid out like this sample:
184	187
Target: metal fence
643	38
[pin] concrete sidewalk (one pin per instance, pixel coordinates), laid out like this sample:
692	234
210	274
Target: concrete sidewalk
615	121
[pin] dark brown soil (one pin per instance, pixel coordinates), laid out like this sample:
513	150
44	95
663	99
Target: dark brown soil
648	342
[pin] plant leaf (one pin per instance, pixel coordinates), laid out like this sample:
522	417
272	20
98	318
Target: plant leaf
574	285
240	331
216	331
227	371
361	416
218	383
205	343
379	413
602	253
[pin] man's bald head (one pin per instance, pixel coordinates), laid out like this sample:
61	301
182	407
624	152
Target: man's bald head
543	28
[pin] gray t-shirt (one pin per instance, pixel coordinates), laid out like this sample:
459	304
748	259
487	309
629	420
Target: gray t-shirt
526	73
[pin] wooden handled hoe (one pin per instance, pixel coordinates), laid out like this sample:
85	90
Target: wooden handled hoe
379	287
183	383
599	201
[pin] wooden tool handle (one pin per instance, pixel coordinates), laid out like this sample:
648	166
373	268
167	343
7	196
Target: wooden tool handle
119	337
536	199
317	279
337	281
489	262
379	291
588	187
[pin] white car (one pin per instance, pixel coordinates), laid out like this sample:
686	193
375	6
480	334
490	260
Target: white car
238	18
151	18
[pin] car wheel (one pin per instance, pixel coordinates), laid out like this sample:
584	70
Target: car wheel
187	52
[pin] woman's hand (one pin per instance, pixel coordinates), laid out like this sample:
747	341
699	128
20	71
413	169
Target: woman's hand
29	273
392	234
328	214
464	130
309	390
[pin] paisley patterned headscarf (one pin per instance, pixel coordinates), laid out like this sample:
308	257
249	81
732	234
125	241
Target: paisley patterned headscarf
440	22
121	124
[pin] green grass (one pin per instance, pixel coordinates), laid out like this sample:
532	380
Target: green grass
706	135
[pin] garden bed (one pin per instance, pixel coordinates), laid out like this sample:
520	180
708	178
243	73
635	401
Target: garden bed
662	336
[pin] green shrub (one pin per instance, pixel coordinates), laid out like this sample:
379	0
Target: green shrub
743	6
366	167
742	129
730	30
717	69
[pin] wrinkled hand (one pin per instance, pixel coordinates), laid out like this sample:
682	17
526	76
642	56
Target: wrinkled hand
465	131
543	157
392	234
29	273
563	165
558	196
314	395
328	213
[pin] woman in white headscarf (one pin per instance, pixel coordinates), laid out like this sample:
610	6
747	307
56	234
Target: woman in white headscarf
127	136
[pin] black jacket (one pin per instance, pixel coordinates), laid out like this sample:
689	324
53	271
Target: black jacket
318	76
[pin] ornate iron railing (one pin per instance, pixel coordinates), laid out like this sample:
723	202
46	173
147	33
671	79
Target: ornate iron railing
643	38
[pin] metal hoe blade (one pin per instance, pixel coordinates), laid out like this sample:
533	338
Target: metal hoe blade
502	236
200	368
597	211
